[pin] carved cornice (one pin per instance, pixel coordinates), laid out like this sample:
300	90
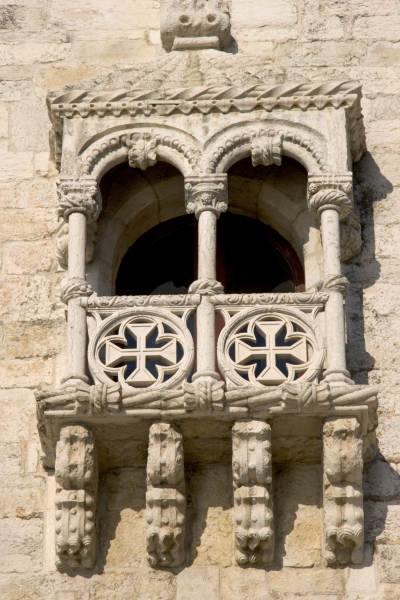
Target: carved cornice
81	196
242	98
330	191
208	192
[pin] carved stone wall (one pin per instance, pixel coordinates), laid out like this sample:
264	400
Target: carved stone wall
46	46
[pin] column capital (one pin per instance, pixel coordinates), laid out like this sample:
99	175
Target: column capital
330	191
79	195
206	192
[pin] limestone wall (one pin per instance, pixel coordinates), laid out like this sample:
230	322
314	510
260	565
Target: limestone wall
47	45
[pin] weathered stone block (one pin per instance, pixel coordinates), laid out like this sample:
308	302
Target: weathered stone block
25	258
25	372
304	582
197	583
243	584
21	545
141	585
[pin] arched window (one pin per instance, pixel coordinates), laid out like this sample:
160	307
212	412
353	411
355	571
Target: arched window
251	258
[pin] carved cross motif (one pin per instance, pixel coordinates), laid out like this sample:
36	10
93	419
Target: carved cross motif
270	351
141	376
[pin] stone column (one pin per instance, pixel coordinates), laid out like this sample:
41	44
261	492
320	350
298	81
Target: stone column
76	476
206	197
330	199
252	480
343	496
79	204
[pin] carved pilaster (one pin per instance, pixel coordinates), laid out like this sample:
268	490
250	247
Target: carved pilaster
82	196
330	191
76	495
343	497
252	478
206	193
266	150
165	497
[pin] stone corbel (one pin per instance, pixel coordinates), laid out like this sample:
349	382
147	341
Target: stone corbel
76	497
343	496
252	480
165	497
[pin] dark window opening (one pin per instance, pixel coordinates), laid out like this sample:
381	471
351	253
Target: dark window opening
251	258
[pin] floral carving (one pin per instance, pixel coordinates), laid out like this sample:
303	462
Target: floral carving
252	480
206	193
142	151
266	150
343	497
165	497
76	497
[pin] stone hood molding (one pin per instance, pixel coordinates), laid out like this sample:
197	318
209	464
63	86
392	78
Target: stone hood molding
157	111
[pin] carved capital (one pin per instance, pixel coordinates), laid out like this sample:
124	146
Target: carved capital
142	151
330	192
74	288
208	192
165	497
76	495
335	283
266	150
343	497
252	479
81	196
196	25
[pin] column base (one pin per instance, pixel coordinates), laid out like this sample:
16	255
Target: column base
338	377
73	379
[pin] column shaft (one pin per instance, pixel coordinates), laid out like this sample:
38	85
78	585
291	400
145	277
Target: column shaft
207	245
205	320
334	311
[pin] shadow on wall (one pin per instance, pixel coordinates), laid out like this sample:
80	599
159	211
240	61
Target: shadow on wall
364	271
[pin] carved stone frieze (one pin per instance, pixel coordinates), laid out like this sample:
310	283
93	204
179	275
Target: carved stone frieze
343	497
81	195
196	24
112	302
252	480
208	192
76	497
330	191
165	497
300	299
142	149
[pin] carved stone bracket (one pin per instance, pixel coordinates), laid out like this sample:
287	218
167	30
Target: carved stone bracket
76	496
165	497
343	497
81	196
330	191
207	192
62	243
142	151
252	480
